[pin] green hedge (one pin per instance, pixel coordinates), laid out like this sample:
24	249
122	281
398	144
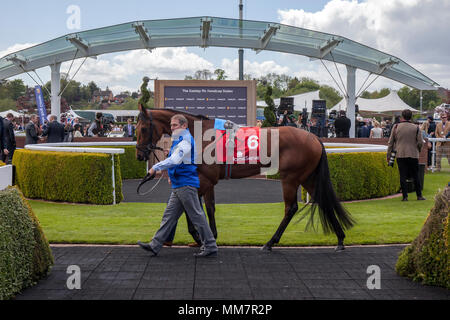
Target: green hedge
427	258
362	175
67	176
25	255
130	167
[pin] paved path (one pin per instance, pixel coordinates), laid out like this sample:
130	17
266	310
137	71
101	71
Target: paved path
226	191
129	273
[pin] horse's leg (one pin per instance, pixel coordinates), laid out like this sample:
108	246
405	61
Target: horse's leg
290	208
337	228
211	209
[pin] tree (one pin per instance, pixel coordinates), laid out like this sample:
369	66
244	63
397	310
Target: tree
6	104
329	94
206	74
220	74
12	89
93	87
430	99
269	111
293	83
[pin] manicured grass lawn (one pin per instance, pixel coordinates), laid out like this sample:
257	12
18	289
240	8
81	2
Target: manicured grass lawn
378	221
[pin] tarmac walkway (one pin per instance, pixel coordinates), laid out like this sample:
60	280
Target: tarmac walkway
226	191
238	273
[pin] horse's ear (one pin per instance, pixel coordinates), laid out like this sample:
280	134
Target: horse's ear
143	110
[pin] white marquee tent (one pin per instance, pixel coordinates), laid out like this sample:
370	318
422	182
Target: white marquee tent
301	101
15	114
388	105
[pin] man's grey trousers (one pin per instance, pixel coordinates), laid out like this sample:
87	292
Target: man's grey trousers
184	199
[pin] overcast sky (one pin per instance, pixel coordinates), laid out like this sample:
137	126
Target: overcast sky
416	31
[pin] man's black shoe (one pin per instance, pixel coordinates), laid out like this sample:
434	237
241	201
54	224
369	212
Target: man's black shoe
405	199
147	247
206	254
421	198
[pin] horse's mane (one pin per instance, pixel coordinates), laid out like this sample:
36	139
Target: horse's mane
200	117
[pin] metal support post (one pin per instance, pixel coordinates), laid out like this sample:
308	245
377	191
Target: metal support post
113	180
351	98
56	88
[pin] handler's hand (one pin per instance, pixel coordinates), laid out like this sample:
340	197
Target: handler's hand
166	152
5	151
168	180
151	171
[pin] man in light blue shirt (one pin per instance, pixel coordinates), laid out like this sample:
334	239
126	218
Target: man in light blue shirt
183	176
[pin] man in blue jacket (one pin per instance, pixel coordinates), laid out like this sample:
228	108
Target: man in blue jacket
184	197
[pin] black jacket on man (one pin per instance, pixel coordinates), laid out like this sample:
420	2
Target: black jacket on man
54	132
3	141
9	134
342	127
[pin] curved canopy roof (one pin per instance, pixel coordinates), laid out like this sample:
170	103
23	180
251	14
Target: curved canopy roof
389	104
217	32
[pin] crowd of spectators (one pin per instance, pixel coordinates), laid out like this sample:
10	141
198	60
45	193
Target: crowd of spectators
55	131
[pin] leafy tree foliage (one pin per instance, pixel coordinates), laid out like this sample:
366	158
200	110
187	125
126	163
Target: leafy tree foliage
269	111
12	89
412	98
220	74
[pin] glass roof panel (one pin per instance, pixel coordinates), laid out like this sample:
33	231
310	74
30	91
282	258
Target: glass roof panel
222	29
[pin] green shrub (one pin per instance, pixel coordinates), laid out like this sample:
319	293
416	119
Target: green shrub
362	175
426	259
130	167
25	255
67	176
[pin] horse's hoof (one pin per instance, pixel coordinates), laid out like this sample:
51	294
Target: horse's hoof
339	248
266	248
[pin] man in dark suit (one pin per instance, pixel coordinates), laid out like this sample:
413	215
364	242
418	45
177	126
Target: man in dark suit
342	125
54	131
10	137
3	142
128	130
31	130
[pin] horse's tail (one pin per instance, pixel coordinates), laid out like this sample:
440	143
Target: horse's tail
333	216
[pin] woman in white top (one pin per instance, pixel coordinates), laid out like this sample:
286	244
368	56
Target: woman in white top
376	131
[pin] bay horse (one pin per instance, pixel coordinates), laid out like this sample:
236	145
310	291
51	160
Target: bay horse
302	161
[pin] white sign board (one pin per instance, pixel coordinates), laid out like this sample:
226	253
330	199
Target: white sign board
6	176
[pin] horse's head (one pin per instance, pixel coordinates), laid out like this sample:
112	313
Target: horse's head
147	135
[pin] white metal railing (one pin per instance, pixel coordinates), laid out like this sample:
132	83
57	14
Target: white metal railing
433	150
83	147
353	147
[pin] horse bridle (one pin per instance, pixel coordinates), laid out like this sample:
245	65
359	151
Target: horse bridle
150	147
147	150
